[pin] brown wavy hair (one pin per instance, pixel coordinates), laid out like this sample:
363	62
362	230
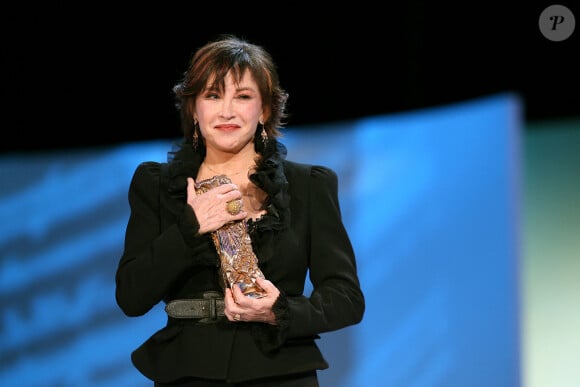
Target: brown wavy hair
212	62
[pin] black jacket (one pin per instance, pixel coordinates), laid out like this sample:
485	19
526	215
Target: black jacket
302	234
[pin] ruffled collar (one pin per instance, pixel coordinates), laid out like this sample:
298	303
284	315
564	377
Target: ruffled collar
184	162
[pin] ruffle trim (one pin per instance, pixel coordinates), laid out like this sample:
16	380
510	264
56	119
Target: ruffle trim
269	176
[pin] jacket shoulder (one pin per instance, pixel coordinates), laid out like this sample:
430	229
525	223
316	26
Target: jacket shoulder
146	176
306	170
147	169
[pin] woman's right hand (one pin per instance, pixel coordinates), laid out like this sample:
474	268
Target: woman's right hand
211	207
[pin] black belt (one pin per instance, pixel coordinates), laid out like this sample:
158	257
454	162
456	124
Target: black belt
207	309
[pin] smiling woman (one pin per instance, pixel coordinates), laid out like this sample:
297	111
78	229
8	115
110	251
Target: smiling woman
233	279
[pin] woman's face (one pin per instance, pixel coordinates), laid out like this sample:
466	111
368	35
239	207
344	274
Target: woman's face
228	119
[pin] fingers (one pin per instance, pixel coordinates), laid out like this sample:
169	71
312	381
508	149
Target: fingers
224	193
227	192
265	284
268	286
216	198
232	203
229	299
232	311
236	300
238	294
241	308
224	188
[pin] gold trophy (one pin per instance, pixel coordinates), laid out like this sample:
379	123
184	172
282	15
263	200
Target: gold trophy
238	263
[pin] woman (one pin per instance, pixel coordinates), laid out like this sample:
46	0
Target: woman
217	334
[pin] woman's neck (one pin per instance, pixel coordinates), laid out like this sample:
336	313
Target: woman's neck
230	164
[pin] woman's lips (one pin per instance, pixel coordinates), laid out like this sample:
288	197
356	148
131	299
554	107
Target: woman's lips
227	128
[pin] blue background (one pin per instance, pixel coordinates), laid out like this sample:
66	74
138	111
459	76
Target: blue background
431	199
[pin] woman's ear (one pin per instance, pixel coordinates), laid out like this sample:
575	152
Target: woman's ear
264	116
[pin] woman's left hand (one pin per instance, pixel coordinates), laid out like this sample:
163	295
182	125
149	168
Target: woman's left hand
239	307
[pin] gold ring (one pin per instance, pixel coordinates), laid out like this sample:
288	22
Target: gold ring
234	206
237	317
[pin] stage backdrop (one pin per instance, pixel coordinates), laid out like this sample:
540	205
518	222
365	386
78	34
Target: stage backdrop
430	198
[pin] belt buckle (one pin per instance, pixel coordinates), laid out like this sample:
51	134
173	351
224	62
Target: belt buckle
212	297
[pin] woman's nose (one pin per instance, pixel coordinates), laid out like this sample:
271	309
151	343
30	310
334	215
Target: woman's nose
227	108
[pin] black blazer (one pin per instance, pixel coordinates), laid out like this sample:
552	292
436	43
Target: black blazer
302	234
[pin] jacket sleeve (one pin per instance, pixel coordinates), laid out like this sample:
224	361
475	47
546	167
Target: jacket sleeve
336	300
154	258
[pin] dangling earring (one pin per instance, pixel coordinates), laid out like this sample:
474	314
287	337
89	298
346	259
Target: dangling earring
195	135
264	134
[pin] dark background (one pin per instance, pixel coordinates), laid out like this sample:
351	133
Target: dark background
79	75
